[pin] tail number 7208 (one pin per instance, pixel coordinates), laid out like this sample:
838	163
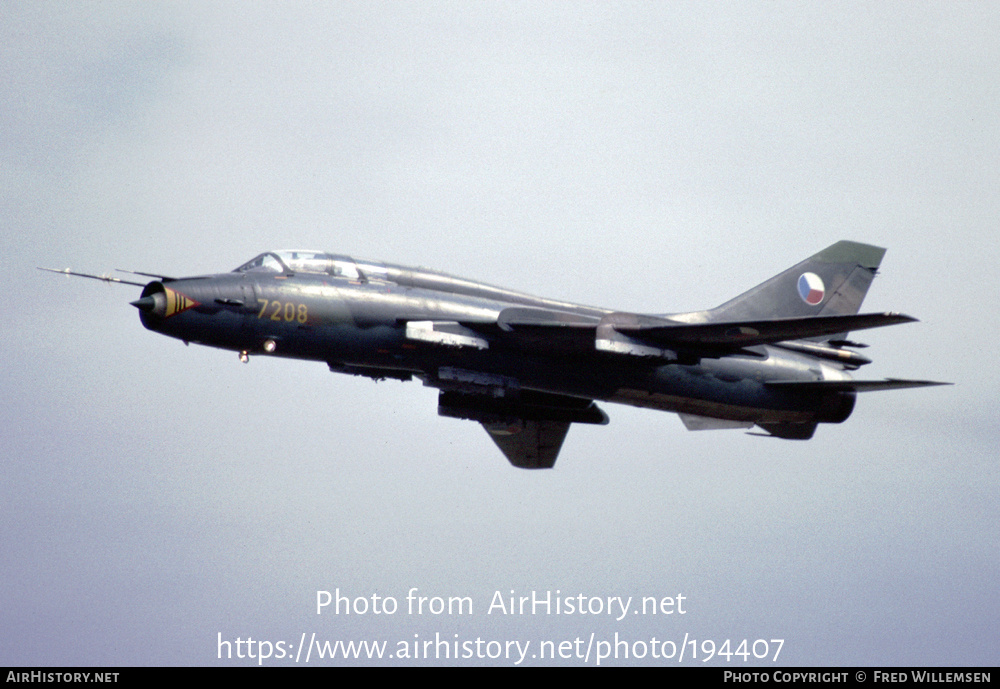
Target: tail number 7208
277	310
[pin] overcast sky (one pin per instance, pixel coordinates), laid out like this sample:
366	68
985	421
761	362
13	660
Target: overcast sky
652	157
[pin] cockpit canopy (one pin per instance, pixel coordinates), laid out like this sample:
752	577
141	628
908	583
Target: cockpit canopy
318	262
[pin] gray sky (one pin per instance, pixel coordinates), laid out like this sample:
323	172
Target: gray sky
642	156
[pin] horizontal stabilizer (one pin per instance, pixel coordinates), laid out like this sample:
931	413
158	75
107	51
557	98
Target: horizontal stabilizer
736	334
850	385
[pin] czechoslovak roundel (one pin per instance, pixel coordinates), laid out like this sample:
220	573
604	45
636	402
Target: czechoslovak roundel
811	288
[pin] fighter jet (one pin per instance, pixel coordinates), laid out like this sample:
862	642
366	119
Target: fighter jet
525	367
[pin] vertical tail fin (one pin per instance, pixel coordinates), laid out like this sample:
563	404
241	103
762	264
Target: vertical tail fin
831	283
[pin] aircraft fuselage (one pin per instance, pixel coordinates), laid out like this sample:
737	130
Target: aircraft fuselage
364	326
526	367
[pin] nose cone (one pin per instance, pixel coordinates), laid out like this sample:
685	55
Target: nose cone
146	304
163	302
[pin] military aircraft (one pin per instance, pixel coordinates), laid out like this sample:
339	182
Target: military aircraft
526	367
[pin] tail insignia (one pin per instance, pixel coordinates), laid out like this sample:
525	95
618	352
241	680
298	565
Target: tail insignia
811	288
